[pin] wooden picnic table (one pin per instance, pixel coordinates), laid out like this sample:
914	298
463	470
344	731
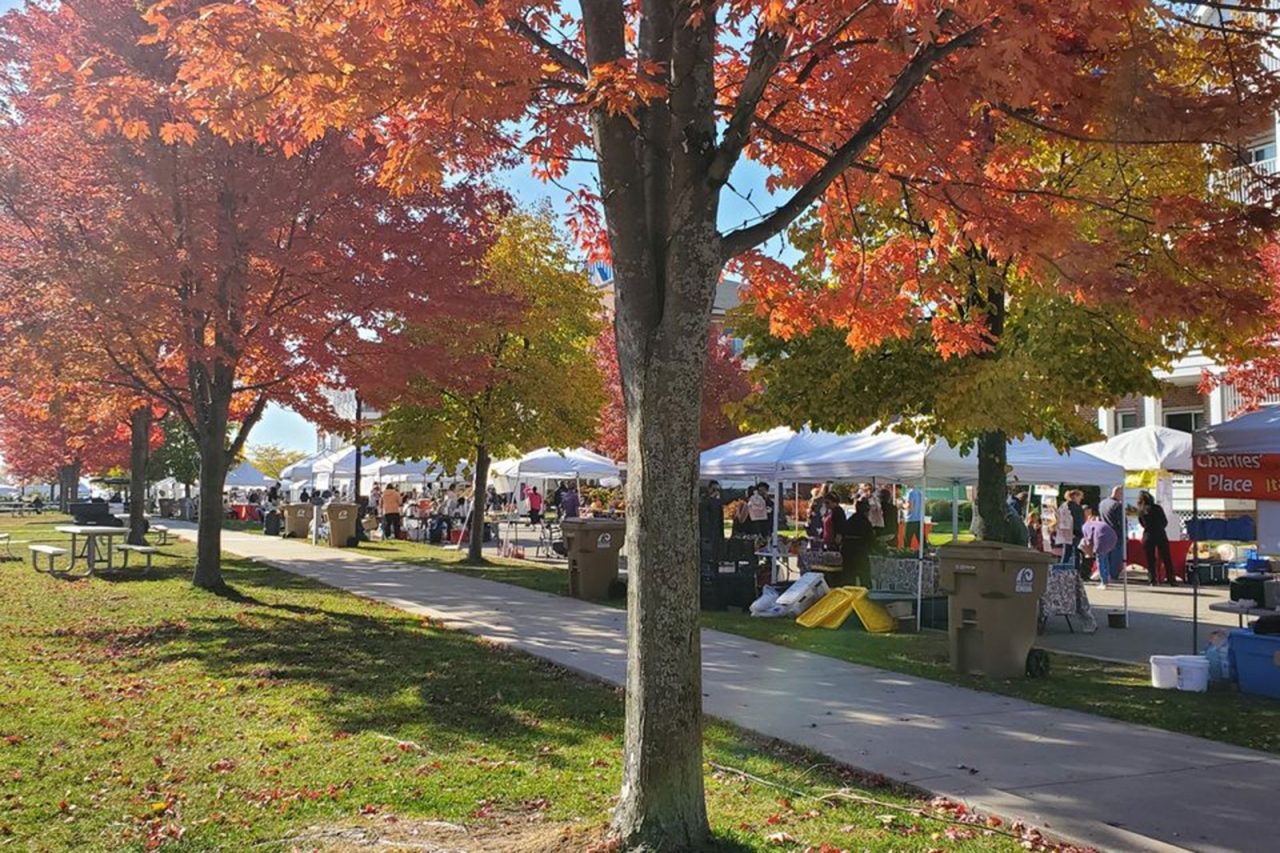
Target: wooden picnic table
91	552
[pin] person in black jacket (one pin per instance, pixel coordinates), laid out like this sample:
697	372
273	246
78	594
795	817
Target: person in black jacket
711	523
855	547
1155	537
890	512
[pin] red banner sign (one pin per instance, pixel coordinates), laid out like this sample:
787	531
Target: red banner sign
1254	476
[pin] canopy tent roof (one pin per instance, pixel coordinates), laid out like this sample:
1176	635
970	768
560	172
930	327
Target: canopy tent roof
785	454
1256	432
303	468
246	476
342	463
1030	461
1148	448
411	468
548	463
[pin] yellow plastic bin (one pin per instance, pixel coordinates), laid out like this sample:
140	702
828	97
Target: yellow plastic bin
993	601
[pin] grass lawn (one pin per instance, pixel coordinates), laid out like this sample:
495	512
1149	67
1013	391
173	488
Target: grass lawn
1117	690
138	712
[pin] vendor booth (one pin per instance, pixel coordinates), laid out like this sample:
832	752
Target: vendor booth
1150	456
339	468
783	455
1240	459
302	472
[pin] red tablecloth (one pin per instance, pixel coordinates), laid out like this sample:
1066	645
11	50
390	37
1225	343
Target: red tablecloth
245	512
1178	549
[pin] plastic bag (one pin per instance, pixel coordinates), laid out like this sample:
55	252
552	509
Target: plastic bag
767	603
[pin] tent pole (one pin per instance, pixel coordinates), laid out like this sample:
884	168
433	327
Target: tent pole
955	512
795	525
1195	581
924	493
773	543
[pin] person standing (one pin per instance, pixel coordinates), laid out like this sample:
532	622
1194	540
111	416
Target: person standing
570	503
1062	534
914	528
758	511
273	493
889	511
711	523
1100	541
855	547
390	509
1155	538
814	526
535	506
1111	510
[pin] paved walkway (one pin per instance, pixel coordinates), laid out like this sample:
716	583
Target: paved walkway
1113	785
1159	623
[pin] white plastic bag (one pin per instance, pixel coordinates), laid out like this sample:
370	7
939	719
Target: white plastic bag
767	602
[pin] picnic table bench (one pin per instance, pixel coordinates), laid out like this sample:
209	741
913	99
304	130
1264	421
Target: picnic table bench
50	551
126	550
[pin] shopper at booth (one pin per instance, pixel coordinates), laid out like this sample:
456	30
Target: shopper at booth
1111	510
1099	541
1155	538
758	511
390	509
535	506
711	522
889	512
855	547
915	517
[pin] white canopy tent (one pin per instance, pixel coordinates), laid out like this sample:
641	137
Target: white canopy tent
548	463
785	454
303	469
341	465
247	476
1149	448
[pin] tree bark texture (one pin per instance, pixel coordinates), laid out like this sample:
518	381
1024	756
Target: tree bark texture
213	475
992	461
68	485
139	449
479	487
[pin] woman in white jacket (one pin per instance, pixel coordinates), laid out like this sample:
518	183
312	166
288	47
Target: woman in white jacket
1064	532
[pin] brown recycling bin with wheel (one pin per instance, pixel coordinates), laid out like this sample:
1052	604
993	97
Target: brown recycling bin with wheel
592	545
297	519
994	594
342	523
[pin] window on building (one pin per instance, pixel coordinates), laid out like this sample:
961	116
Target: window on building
1184	421
1260	153
1126	421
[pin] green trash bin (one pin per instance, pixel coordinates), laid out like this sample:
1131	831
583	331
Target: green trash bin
993	603
592	546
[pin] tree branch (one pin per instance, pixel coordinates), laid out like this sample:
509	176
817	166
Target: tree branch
908	80
767	51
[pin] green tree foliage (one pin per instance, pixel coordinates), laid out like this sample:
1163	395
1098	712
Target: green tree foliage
271	459
525	374
177	456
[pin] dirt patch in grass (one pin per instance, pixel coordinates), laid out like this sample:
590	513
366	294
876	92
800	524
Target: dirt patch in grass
515	835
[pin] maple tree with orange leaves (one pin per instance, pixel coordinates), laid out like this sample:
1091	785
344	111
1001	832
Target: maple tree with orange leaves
210	277
842	102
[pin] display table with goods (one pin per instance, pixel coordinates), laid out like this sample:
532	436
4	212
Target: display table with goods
1135	554
1065	595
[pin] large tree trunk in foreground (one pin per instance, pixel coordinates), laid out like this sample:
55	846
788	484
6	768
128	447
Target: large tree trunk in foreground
213	475
992	461
139	446
662	803
479	488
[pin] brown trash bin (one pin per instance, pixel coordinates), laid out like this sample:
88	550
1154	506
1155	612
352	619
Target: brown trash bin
297	520
343	519
993	602
593	545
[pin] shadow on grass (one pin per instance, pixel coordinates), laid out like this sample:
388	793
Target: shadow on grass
372	669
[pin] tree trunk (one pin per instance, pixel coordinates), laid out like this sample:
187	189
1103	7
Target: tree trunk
662	803
209	544
139	446
68	485
992	461
480	486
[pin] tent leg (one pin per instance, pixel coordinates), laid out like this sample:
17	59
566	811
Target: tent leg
924	494
955	512
773	542
1195	570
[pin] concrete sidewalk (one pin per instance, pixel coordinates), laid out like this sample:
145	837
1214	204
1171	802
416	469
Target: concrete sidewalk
1094	781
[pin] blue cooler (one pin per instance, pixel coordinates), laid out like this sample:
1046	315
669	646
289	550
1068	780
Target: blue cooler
1255	658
